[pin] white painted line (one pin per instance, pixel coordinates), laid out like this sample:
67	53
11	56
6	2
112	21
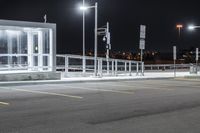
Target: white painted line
184	79
104	90
132	87
49	93
4	103
42	92
111	85
124	91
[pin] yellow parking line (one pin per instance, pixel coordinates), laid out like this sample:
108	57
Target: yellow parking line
4	103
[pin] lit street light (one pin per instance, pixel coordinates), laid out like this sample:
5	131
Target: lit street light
84	8
179	27
192	27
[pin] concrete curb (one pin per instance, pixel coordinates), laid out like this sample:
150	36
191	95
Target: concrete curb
192	77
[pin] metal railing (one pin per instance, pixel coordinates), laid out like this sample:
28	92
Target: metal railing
167	67
72	64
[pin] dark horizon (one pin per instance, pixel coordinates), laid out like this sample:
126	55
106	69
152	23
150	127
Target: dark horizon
160	17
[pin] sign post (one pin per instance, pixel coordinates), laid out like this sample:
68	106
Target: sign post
197	56
105	32
197	59
142	45
174	57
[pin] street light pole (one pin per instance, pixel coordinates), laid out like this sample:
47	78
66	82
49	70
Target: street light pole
197	56
84	62
84	8
96	39
193	27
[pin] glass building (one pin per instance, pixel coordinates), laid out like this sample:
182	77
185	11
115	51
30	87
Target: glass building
27	46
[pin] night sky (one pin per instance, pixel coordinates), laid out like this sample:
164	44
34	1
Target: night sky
125	17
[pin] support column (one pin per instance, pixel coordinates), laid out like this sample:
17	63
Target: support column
51	49
19	50
30	50
9	51
40	50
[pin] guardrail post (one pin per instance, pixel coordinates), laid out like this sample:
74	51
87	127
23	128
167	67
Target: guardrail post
108	66
125	67
112	67
66	64
99	65
130	68
116	65
142	64
84	64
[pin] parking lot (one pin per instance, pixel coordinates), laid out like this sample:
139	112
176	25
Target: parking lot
140	106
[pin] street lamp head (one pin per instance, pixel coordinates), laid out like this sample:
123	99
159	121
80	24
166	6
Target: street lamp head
86	7
191	27
83	8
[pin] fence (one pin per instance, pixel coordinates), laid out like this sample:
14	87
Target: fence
73	64
167	67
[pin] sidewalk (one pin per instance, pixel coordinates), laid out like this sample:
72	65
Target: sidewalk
148	75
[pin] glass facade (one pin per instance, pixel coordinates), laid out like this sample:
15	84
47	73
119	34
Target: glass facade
26	49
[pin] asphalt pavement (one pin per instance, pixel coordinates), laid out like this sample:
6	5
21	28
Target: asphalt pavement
134	106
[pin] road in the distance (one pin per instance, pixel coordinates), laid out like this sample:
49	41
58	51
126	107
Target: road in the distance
141	106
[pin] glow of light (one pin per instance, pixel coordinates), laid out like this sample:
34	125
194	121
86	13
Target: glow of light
36	48
179	26
191	27
83	8
12	32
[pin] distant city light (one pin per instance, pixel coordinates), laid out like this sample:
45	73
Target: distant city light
179	26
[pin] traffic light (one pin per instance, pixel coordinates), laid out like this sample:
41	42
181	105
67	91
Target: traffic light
107	37
108	40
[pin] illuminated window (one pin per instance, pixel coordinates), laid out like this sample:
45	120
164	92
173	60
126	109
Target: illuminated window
26	48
